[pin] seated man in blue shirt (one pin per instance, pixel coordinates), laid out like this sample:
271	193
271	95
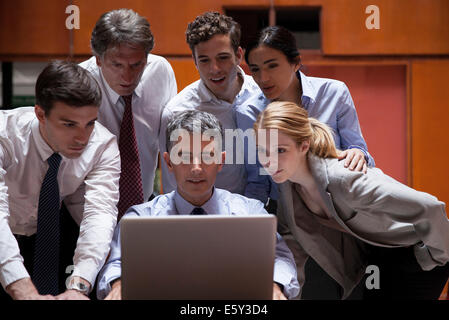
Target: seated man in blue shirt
195	170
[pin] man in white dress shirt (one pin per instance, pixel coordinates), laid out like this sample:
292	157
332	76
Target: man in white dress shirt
122	64
62	126
223	86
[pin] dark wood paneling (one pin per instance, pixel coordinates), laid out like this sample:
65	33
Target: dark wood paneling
34	28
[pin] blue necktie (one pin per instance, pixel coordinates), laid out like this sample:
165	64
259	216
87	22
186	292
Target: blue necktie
197	211
46	251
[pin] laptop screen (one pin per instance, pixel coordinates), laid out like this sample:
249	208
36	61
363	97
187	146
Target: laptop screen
198	257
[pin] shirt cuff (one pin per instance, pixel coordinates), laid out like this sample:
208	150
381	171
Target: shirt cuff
87	271
110	274
424	257
11	272
291	285
369	160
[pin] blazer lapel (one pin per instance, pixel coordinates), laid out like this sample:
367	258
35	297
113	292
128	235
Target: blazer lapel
318	167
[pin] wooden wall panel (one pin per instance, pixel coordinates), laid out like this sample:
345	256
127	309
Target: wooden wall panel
430	115
185	71
406	27
34	27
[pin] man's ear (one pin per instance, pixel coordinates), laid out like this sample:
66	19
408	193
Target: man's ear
194	60
166	157
98	60
40	113
223	159
239	55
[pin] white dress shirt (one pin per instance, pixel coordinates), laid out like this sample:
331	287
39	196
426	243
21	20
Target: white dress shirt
197	96
88	185
156	87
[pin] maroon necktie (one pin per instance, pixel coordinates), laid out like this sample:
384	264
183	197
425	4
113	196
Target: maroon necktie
131	191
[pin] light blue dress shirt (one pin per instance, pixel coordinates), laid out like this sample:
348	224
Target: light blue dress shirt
222	202
326	100
197	96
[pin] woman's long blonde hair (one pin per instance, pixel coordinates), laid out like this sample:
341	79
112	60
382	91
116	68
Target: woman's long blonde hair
293	121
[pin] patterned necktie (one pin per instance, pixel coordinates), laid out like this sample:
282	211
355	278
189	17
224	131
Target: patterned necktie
46	251
131	191
198	211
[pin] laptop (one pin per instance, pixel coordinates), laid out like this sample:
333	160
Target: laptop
210	257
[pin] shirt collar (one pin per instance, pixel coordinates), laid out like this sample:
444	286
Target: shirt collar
206	95
114	95
308	90
183	207
138	91
44	150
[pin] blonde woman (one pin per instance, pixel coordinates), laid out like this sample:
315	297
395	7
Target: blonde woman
346	220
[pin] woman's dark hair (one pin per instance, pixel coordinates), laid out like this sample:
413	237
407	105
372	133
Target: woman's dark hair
67	82
276	37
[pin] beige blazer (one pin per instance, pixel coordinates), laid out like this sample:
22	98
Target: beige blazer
371	208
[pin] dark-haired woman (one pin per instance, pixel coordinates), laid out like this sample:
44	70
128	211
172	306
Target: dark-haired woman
274	62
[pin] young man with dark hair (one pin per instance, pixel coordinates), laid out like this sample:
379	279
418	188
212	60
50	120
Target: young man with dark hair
51	153
223	86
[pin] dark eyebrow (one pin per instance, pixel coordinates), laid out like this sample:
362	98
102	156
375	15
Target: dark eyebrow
67	120
137	63
74	122
265	62
270	60
218	54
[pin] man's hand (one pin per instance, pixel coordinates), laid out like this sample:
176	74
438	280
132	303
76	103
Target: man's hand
72	295
24	289
277	292
354	159
116	292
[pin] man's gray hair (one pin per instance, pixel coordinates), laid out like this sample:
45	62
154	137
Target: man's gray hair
122	26
193	121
